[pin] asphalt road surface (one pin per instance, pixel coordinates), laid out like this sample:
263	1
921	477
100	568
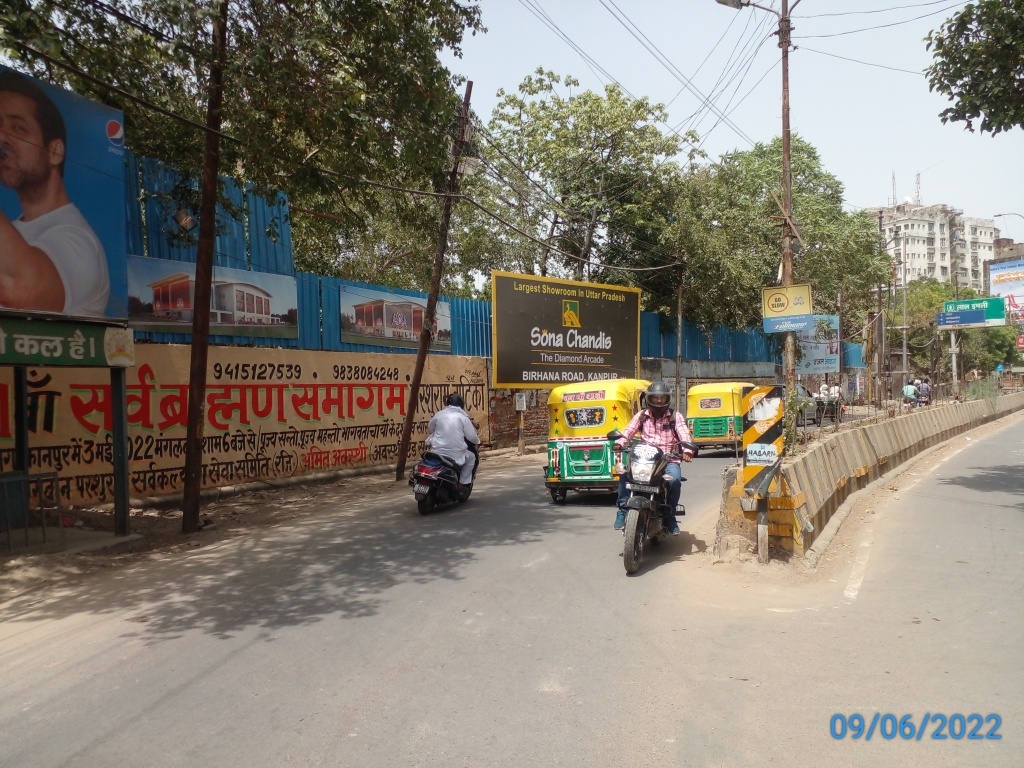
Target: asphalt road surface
506	633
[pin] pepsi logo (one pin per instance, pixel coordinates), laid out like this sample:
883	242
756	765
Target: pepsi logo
115	132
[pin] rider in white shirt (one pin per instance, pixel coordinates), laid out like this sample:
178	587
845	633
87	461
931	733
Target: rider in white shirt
450	430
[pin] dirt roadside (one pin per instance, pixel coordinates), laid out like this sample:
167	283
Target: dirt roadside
226	519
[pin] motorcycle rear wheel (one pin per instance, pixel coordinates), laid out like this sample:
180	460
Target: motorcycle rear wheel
633	544
427	503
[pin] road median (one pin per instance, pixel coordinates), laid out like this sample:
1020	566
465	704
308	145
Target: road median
814	485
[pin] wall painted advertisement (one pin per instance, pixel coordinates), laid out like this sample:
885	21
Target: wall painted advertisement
819	346
269	413
242	302
390	319
62	209
548	332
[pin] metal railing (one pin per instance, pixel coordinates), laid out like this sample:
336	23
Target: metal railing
22	521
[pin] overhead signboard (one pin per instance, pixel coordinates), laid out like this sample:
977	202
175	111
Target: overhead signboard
819	346
63	236
547	332
949	321
993	309
787	308
1006	279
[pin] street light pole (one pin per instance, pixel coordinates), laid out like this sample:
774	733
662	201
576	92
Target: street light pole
785	27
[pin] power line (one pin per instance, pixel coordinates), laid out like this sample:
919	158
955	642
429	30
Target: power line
662	59
877	10
880	26
858	61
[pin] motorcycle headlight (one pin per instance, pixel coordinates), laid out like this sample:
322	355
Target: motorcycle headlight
642	471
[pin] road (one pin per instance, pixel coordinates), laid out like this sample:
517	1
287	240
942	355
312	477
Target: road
506	633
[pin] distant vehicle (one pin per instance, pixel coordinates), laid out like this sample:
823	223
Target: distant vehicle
714	414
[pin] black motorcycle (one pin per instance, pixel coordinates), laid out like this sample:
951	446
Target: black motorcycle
435	481
648	496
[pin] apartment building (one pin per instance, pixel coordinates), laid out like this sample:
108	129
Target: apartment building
937	241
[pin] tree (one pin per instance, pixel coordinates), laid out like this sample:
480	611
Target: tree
589	173
982	349
726	231
979	65
318	93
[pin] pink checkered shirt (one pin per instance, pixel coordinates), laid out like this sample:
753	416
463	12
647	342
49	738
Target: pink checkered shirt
654	434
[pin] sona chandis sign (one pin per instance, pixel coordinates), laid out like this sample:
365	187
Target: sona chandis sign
548	332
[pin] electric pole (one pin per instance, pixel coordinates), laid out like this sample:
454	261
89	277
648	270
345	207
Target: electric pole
785	28
435	284
204	279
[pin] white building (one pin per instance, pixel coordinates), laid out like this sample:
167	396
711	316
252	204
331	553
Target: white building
937	241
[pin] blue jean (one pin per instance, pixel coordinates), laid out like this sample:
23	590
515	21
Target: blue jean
675	472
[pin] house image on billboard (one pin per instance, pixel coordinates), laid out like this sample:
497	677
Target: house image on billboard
390	319
232	302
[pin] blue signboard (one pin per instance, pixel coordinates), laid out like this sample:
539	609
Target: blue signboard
788	323
62	202
974	318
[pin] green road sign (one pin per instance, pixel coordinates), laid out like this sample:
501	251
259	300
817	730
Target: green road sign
40	342
993	307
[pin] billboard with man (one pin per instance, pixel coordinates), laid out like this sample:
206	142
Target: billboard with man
62	202
547	332
1006	279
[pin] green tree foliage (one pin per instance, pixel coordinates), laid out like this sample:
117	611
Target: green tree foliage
726	231
982	349
979	64
568	168
318	93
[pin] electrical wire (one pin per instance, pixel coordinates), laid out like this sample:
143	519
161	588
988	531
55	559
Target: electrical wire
877	10
880	26
865	63
665	62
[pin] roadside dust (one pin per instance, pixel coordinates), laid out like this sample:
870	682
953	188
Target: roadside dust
226	519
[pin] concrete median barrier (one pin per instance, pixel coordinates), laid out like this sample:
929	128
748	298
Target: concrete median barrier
813	485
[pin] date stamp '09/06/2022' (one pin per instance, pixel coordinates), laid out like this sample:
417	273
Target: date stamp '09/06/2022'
954	727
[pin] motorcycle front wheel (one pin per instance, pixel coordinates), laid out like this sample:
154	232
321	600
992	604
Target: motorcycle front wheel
633	544
428	502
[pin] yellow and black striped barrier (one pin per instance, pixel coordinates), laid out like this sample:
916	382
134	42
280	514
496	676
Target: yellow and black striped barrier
763	434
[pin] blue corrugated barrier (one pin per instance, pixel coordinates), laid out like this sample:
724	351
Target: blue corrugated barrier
256	235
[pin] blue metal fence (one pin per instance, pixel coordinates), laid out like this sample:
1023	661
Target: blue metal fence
256	235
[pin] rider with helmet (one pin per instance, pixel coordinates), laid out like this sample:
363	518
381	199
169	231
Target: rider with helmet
451	433
662	427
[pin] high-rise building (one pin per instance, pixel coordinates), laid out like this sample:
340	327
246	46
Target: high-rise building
937	241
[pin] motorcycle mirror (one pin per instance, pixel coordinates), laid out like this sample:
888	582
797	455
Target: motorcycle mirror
614	434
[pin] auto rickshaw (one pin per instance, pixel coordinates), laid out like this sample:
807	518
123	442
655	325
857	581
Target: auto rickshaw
714	414
579	418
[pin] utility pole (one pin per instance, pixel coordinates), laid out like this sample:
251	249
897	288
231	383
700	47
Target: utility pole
906	367
435	284
204	278
680	405
590	229
785	27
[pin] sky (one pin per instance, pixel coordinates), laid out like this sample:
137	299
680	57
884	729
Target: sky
867	122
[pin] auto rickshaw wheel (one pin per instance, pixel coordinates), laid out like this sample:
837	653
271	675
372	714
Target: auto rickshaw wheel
558	495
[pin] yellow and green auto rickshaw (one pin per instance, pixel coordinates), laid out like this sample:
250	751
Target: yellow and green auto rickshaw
714	414
580	417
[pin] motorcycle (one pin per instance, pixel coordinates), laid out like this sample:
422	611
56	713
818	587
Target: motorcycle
648	494
435	481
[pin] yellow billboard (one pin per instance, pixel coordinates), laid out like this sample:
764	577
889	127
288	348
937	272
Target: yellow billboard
786	308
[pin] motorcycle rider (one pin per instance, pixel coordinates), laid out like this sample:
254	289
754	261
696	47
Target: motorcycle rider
910	394
660	426
925	391
450	434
